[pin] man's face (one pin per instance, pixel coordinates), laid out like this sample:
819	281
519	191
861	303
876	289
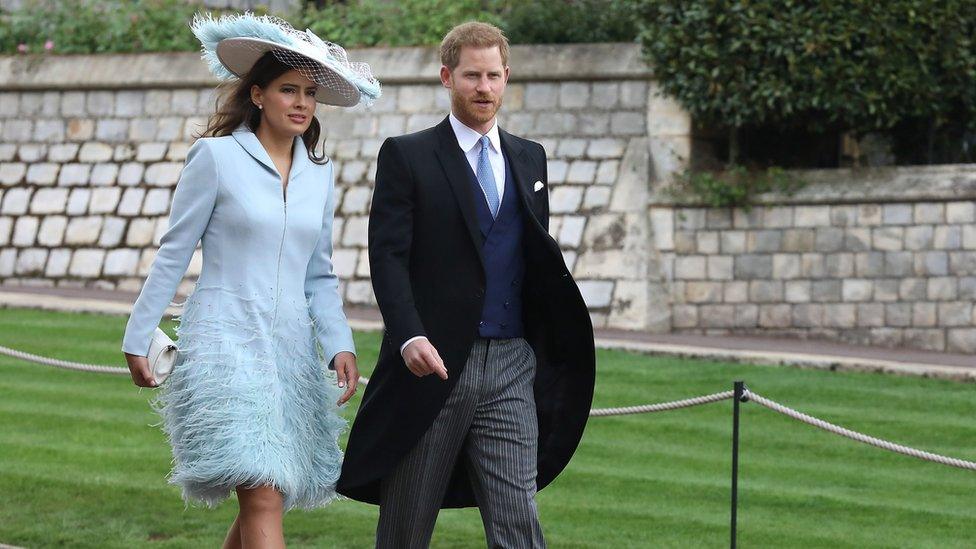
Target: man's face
477	85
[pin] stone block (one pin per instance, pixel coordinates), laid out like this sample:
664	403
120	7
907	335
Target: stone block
797	291
870	264
633	94
899	264
140	233
766	291
929	212
130	174
80	129
684	316
786	266
87	263
15	201
596	293
628	123
707	242
703	292
750	266
912	289
854	289
843	216
95	152
887	289
12	173
163	174
717	316
57	263
143	129
969	237
541	96
888	239
17	131
962	263
112	129
157	202
74	174
128	103
924	315
355	232
718	218
735	292
829	239
173	128
870	315
49	131
812	216
31	261
25	231
104	200
581	171
961	340
926	339
356	200
840	315
184	102
746	316
720	267
121	262
574	95
775	316
919	238
596	197
113	229
31	152
606	148
47	201
83	230
807	315
769	241
732	242
604	95
606	174
932	263
825	291
942	288
812	265
961	212
947	237
571	231
78	201
955	313
799	240
63	152
839	265
104	174
690	267
967	285
565	199
897	214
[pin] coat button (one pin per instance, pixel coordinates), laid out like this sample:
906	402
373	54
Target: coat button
479	293
507	304
503	325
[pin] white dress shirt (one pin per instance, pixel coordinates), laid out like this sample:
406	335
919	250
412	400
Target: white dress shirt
470	142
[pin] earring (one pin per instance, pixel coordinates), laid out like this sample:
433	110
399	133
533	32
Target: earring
261	107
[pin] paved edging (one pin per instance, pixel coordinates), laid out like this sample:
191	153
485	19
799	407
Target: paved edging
751	356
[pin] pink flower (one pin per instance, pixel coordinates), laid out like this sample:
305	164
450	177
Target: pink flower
49	45
22	48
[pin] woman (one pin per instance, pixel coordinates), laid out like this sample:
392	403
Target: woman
249	406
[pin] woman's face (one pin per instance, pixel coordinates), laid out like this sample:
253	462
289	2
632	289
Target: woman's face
287	103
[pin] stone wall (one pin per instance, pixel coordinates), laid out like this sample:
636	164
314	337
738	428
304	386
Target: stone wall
881	257
89	159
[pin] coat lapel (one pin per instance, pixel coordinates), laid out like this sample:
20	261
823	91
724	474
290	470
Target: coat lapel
456	169
521	168
251	144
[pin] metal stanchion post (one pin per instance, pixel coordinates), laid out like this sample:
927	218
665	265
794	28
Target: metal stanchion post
738	389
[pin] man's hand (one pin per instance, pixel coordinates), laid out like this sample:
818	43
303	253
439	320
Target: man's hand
347	374
139	370
422	359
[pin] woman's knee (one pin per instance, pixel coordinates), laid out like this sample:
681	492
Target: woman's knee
261	499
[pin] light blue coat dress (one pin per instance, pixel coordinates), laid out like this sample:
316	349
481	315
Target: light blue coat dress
251	400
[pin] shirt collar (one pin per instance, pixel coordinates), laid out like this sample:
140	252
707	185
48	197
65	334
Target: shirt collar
468	138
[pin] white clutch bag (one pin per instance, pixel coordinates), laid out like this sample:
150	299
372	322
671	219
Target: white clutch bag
162	356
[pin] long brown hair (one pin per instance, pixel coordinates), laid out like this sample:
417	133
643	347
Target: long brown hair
234	106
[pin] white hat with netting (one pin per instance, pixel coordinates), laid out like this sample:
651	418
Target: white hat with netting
233	43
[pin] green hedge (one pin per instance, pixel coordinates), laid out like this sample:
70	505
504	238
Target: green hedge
80	26
905	68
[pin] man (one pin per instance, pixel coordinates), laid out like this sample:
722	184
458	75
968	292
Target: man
485	374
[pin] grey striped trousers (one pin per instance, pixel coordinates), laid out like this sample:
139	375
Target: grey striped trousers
490	416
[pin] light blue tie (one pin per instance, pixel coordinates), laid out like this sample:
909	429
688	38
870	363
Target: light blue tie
486	177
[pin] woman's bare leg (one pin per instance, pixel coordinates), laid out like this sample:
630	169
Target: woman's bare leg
259	521
233	539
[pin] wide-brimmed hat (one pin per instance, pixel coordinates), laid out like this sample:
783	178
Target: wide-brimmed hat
233	43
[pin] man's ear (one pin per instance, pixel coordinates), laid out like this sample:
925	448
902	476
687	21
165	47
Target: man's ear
446	76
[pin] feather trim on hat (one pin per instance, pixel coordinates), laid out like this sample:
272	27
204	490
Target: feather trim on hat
210	31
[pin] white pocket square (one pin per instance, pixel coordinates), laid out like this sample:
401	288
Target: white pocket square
538	186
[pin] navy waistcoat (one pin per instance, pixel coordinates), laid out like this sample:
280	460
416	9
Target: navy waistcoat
501	317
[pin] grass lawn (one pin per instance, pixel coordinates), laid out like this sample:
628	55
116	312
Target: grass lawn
80	465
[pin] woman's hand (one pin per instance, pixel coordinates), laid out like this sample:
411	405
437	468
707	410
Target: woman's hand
347	374
139	370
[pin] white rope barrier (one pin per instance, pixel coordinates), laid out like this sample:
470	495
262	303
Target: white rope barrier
860	437
662	407
605	412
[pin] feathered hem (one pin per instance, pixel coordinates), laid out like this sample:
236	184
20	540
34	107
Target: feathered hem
250	402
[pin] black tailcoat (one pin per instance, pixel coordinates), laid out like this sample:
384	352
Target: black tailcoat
427	272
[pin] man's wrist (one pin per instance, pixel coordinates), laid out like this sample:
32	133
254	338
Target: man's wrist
409	341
